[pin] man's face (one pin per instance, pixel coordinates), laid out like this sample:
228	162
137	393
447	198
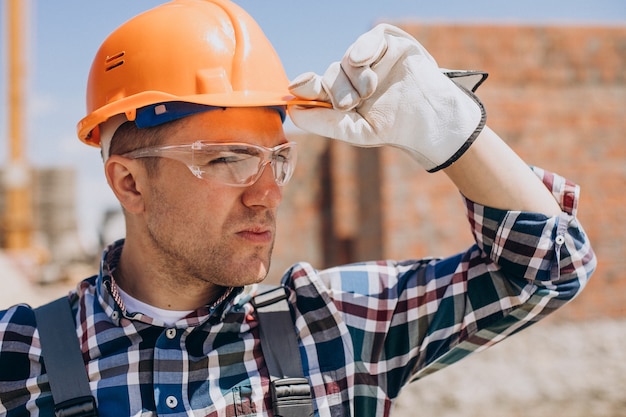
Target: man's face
206	230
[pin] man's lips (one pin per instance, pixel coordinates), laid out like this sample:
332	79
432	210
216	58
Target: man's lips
256	234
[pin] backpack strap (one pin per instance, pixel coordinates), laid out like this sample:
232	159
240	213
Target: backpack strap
63	359
290	390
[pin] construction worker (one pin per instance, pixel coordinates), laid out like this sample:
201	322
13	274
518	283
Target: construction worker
186	102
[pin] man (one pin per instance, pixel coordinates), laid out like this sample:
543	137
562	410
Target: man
187	102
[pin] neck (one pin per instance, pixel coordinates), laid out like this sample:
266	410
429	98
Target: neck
155	284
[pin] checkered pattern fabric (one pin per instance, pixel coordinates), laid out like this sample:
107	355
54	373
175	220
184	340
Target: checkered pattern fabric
365	330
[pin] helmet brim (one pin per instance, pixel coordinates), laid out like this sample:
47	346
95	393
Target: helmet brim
87	128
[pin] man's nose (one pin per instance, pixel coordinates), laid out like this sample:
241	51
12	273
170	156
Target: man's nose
264	192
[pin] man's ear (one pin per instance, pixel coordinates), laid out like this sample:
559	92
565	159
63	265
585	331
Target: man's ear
127	179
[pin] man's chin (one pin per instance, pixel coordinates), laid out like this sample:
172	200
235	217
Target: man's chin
263	271
255	273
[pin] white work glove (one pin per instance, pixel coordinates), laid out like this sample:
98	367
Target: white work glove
388	90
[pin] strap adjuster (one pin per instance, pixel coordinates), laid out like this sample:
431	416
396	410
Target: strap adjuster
77	407
270	297
291	397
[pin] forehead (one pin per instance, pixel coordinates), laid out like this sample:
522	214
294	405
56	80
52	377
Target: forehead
256	125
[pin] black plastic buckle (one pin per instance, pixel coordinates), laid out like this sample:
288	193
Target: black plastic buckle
291	397
77	407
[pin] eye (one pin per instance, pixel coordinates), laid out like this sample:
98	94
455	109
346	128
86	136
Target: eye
227	159
221	158
283	157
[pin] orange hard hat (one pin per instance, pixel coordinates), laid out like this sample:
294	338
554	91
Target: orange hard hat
206	52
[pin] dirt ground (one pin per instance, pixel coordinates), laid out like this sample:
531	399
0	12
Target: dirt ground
551	370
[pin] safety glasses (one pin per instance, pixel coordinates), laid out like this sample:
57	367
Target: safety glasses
236	164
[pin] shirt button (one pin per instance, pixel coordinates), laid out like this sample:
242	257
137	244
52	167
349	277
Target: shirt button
170	333
560	239
171	401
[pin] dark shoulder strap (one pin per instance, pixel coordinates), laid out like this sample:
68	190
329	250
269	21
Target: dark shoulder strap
291	392
62	357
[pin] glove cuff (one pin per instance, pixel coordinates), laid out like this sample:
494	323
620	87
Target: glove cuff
468	82
471	139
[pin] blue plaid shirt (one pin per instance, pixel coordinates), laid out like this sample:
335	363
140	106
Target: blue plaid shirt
365	330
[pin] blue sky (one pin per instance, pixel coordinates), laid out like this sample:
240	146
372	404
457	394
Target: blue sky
63	36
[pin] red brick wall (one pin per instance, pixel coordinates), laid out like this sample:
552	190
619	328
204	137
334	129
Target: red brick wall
556	94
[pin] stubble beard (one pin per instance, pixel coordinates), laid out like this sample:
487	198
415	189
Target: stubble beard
189	262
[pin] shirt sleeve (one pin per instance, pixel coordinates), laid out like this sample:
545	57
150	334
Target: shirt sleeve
409	319
20	364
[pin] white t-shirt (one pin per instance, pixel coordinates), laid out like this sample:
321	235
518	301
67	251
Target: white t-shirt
133	305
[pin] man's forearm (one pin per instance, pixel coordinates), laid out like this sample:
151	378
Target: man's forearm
492	174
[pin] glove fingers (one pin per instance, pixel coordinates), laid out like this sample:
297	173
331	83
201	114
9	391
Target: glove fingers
375	54
341	91
308	86
372	46
368	49
333	87
331	123
371	58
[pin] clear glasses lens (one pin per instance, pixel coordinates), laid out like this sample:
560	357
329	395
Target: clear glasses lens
235	164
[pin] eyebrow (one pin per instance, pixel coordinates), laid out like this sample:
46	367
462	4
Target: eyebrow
239	149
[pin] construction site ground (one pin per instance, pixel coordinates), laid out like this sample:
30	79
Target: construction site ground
554	369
